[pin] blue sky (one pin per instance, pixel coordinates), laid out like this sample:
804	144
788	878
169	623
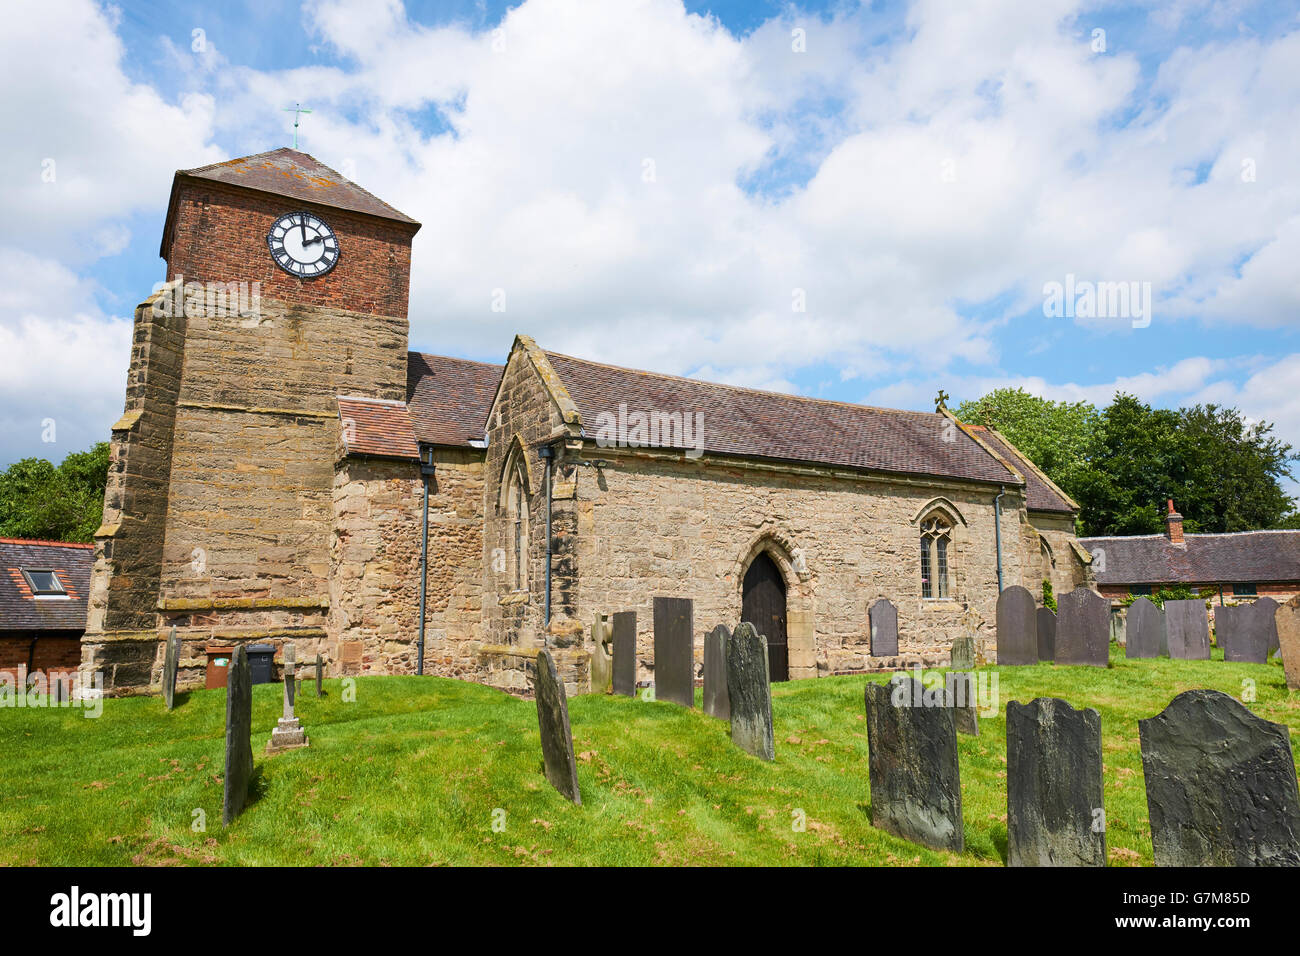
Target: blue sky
915	173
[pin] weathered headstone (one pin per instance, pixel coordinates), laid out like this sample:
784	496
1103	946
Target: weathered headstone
1118	625
1221	785
912	763
1246	632
239	731
717	701
1187	629
962	654
1046	619
602	664
1055	808
1017	627
1287	617
749	692
624	675
288	733
1083	628
674	638
320	667
1146	630
884	629
960	686
553	724
171	662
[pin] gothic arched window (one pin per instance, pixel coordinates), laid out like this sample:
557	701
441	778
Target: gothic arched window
936	536
517	529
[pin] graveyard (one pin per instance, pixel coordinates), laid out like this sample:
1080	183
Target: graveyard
432	771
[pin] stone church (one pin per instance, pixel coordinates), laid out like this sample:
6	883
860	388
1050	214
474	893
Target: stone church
286	470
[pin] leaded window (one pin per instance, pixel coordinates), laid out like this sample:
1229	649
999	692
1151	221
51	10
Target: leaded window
936	535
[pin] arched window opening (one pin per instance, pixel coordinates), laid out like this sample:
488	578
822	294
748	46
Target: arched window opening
936	535
517	530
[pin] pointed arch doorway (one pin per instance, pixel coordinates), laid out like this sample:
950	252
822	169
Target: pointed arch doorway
763	605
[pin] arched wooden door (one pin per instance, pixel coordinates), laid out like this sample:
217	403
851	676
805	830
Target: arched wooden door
763	605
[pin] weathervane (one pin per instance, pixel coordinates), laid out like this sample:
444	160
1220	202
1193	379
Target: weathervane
297	111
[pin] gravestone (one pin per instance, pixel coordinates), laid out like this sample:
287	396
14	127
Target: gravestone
962	654
1118	625
1046	619
1187	630
288	733
912	765
1246	632
674	650
1083	628
1287	618
623	678
1221	785
749	692
1017	627
171	662
553	724
602	664
960	686
884	629
1146	630
239	732
717	701
1055	809
320	666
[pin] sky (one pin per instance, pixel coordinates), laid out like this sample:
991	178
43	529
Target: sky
859	201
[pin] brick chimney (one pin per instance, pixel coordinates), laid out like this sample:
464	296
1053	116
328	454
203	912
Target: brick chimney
1174	525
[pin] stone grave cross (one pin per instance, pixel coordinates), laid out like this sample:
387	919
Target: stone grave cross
288	733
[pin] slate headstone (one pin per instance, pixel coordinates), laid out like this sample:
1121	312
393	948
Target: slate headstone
320	667
1083	628
1146	630
1017	627
1266	608
749	692
171	662
553	724
717	701
1055	808
1244	632
1221	785
962	654
963	700
884	629
674	650
239	731
912	764
1046	618
624	676
1187	629
1287	617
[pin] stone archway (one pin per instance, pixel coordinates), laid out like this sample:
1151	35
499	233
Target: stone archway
763	604
792	564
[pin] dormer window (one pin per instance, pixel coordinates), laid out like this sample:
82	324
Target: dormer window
44	583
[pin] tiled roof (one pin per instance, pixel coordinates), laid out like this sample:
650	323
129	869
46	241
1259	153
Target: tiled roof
375	427
1240	557
449	398
1039	493
20	610
757	424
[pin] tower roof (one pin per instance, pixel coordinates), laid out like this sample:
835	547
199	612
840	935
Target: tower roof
292	174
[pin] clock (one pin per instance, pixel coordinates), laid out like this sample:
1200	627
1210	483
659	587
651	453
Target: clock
303	245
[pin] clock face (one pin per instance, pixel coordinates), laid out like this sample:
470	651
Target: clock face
303	245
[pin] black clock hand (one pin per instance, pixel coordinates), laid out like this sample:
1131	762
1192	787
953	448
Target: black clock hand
304	232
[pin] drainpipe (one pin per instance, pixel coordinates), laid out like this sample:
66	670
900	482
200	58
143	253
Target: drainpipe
997	531
426	471
547	454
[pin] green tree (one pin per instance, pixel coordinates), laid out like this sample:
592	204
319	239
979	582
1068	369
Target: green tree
56	503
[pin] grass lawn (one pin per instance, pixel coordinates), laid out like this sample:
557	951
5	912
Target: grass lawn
412	772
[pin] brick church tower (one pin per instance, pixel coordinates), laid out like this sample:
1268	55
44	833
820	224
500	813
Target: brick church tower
286	288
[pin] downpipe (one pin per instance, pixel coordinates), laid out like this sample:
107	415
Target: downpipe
547	454
997	531
426	472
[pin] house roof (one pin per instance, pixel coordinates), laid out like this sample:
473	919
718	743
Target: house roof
376	427
1238	557
20	610
751	423
449	398
288	172
1040	493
